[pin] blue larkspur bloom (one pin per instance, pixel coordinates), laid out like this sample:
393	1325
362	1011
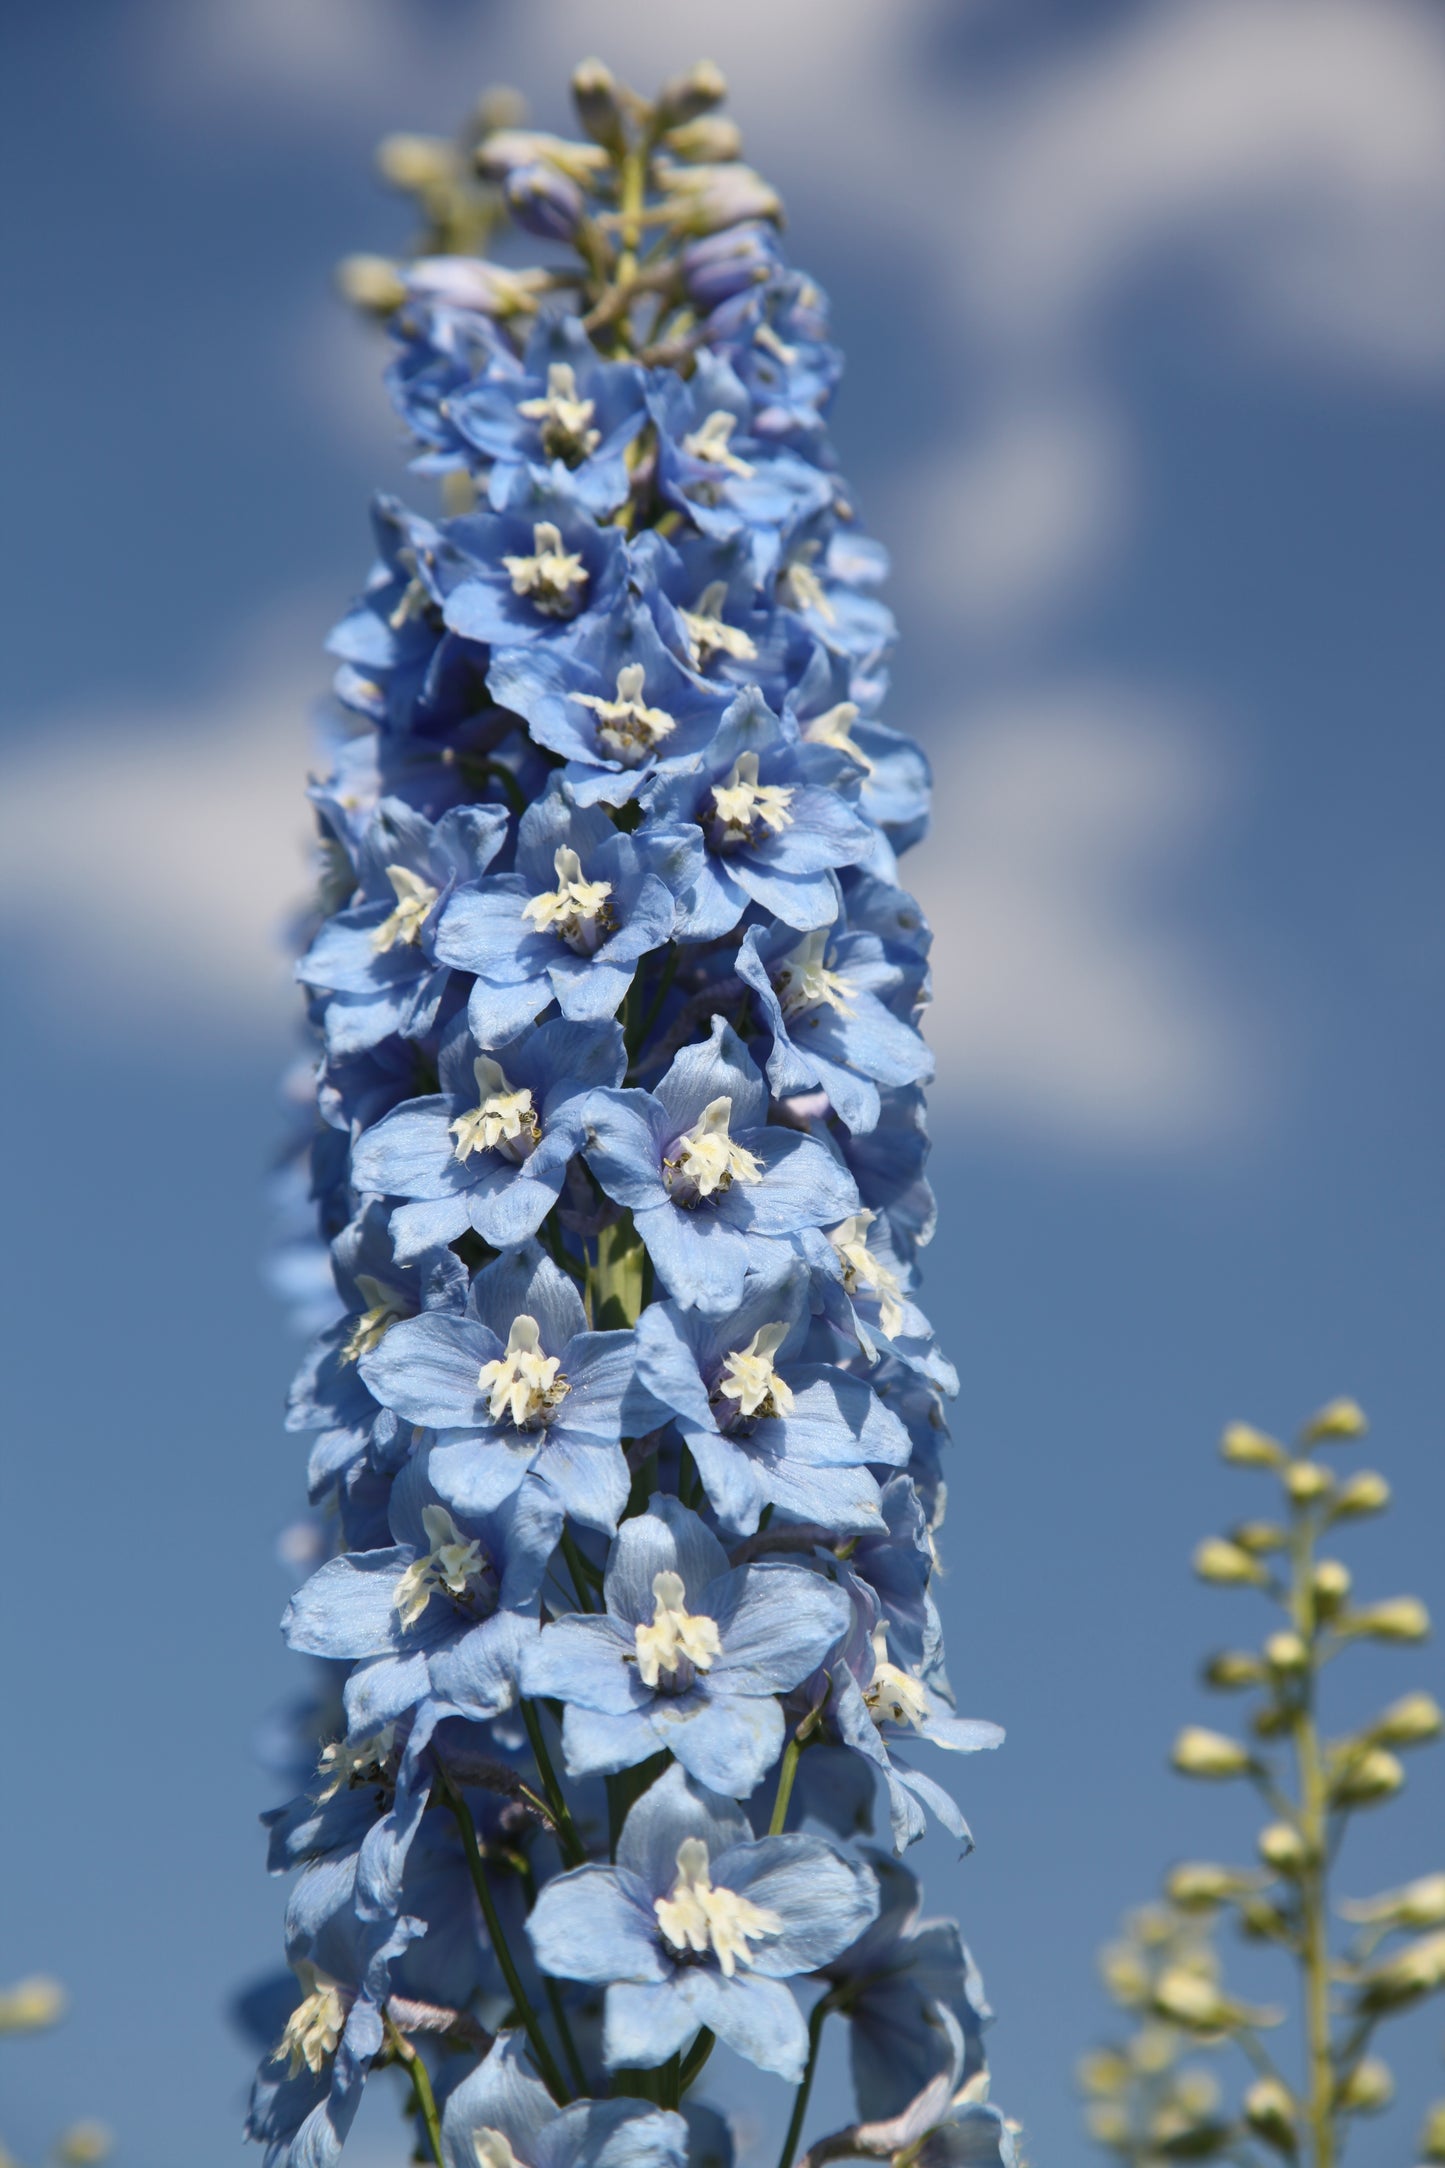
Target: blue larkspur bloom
503	2099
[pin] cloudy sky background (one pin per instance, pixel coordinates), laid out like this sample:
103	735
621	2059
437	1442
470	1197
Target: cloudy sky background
1146	336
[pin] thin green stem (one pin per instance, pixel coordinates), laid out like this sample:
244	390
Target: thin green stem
574	1851
569	2046
420	2076
786	1775
1313	1895
531	2024
577	1567
694	2062
805	2084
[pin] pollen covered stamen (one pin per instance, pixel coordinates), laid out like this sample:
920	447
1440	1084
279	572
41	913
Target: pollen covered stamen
678	1643
803	981
502	1121
893	1696
801	589
524	1383
750	1380
346	1768
313	2030
455	1566
414	899
627	727
745	810
705	1162
562	417
493	2149
384	1306
867	1275
577	911
712	444
699	1918
708	632
553	577
833	727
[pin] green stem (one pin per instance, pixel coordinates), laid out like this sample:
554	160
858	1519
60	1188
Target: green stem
577	1567
1313	1896
805	2084
420	2076
786	1775
569	2046
695	2059
531	2024
574	1851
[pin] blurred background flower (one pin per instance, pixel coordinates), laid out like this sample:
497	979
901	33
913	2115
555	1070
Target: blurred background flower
1146	344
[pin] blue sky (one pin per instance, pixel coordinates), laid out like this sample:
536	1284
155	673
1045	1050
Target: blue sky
1146	349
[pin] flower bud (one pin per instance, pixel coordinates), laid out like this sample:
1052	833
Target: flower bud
1286	1651
1401	1618
1282	1847
1197	1884
544	201
1124	1974
1189	1999
1367	1492
1259	1536
1271	1720
1262	1921
708	140
1412	1973
1232	1669
1331	1586
82	2145
704	199
509	150
1336	1419
703	87
464	282
1367	1778
373	283
594	96
1306	1480
1226	1563
1269	2110
1368	2088
1419	1904
1413	1720
1432	2137
723	265
1103	2073
416	163
1108	2123
1199	1752
31	2004
1247	1447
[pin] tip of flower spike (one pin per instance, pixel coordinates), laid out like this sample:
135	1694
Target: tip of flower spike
372	283
1338	1419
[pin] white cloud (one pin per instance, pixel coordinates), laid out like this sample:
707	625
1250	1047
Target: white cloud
1070	999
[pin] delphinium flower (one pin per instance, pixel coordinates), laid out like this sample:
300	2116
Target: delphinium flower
627	1478
1150	2100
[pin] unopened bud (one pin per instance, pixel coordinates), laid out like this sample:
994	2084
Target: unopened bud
1368	2088
1336	1419
1199	1752
1103	2073
83	2144
1412	1973
1188	1999
1367	1492
1413	1720
1401	1618
1420	1903
31	2004
703	87
1251	1448
1331	1585
1124	1974
1286	1651
1306	1480
509	150
711	139
1432	2137
1367	1778
1271	1720
705	199
1107	2123
372	283
1269	2110
1227	1564
1259	1536
544	202
1197	1884
416	162
1232	1669
1282	1847
594	95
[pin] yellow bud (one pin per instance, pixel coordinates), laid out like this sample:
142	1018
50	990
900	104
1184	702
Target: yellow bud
1400	1618
1188	1999
416	162
1282	1847
1413	1720
1419	1904
1367	1492
1197	2092
1368	2088
1432	2137
1336	1419
1247	1447
1197	1884
1286	1652
83	2144
1271	1720
1153	2049
1306	1480
1199	1752
1259	1536
1410	1974
1269	2110
1225	1563
370	282
1232	1669
1331	1585
31	2004
709	140
1124	1974
1262	1921
1103	2073
1368	1778
1108	2123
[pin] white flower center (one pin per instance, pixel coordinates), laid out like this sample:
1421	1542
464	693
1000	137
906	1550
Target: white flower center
384	1306
706	1161
313	2029
765	336
750	1379
562	417
627	727
803	981
891	1694
503	1120
493	2148
801	589
455	1566
577	911
414	898
712	444
524	1383
708	632
345	1766
832	728
678	1642
744	808
700	1918
865	1274
552	577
